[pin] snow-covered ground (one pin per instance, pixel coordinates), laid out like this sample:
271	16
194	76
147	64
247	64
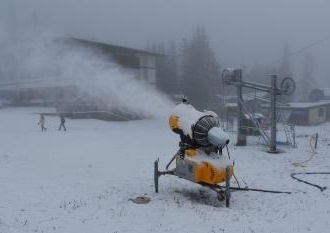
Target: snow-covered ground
82	180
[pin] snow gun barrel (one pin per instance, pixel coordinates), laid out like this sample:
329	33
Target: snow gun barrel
217	137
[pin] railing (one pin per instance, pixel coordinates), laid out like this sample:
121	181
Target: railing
36	83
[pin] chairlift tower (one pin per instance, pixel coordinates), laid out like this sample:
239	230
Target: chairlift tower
287	87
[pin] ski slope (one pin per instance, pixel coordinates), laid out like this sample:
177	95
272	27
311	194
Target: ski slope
83	180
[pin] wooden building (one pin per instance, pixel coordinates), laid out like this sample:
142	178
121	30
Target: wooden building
306	113
141	61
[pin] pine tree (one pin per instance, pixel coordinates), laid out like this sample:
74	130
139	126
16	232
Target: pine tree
172	66
284	71
285	68
182	63
167	69
256	74
200	71
161	71
306	83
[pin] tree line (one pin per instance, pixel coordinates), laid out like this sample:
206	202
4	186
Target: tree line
189	69
192	70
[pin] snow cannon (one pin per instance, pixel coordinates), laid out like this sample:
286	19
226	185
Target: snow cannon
199	158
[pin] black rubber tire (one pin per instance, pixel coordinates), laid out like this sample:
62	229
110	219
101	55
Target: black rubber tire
221	196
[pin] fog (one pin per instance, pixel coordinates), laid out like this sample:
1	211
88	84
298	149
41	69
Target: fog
241	32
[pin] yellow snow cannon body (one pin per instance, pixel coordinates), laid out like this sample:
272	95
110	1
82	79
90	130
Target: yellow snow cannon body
201	168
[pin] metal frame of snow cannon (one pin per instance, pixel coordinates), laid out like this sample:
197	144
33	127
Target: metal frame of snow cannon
223	193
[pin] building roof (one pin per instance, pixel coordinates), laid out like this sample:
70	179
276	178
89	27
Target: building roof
111	47
305	105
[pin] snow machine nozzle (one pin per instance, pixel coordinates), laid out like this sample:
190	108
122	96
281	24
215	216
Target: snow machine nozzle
207	132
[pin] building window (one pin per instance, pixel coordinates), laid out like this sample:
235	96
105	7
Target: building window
321	112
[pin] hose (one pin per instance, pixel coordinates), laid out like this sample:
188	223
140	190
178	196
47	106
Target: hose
313	153
253	189
310	173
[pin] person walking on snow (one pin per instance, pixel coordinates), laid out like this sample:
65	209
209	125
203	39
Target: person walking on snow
42	122
62	123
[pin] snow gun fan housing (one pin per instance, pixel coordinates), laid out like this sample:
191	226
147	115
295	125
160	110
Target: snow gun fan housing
199	158
197	129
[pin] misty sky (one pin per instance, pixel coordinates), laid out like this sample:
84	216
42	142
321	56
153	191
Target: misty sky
241	32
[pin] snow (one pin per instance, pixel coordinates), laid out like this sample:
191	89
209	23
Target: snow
218	161
82	180
188	116
47	61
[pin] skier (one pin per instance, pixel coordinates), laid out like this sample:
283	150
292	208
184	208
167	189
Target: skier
62	123
42	122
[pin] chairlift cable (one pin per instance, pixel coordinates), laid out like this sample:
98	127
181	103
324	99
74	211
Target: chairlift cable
301	50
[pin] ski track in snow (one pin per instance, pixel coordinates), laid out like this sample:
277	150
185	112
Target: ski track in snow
82	180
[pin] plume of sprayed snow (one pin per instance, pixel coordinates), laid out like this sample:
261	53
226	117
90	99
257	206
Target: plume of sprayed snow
116	89
110	86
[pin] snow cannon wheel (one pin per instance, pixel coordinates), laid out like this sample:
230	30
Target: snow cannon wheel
221	196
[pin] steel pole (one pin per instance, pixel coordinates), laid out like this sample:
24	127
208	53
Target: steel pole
241	137
273	92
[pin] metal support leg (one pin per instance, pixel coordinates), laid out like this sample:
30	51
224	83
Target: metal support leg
241	137
227	191
158	173
273	92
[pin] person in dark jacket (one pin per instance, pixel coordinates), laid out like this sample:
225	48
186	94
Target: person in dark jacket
42	122
62	123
